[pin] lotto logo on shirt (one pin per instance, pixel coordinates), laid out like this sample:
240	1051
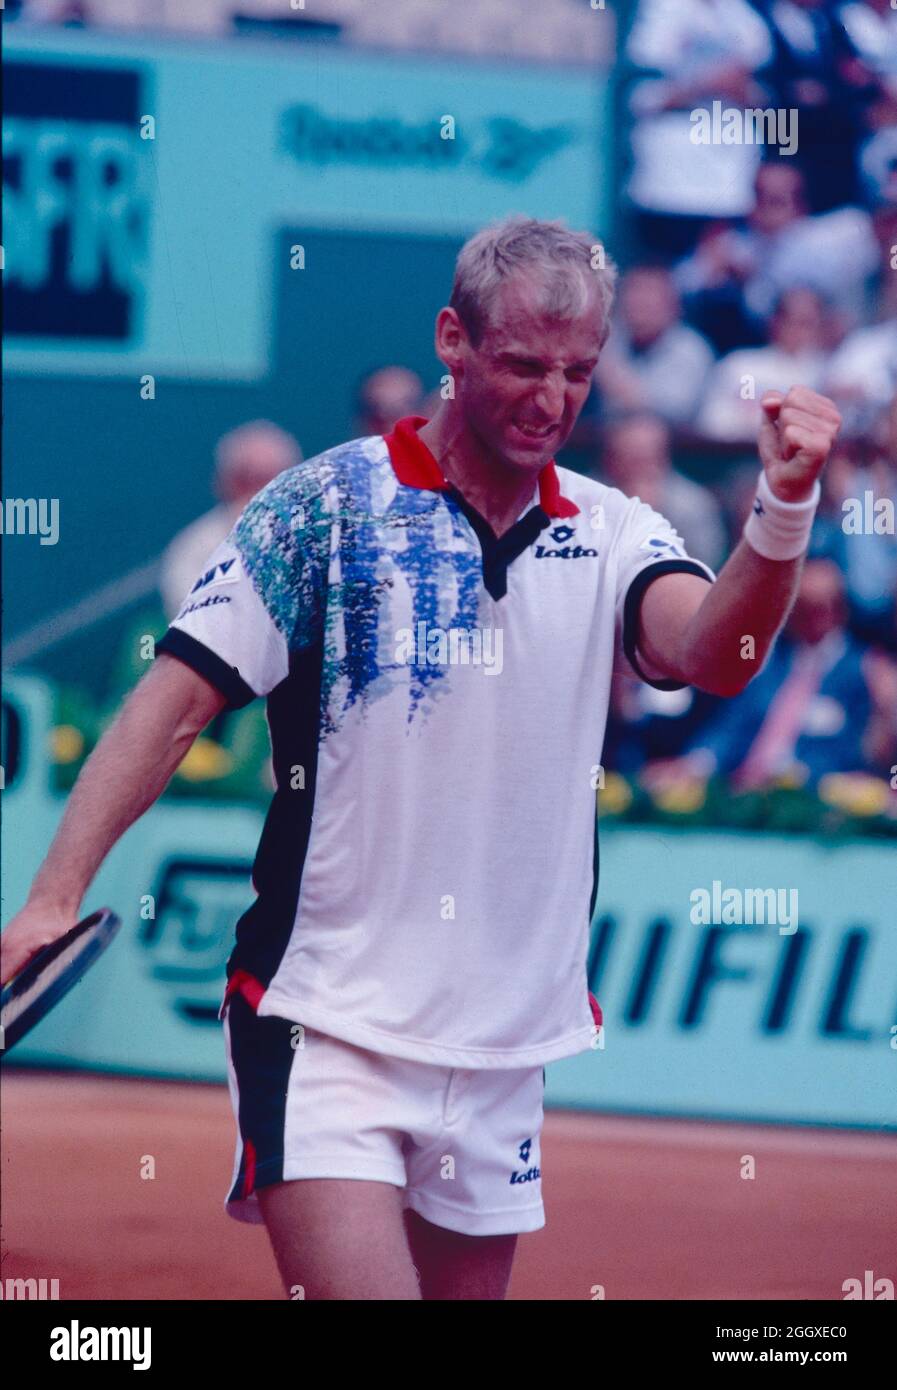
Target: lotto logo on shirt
562	551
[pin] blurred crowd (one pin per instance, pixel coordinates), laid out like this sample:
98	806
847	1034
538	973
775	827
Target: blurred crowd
571	31
761	266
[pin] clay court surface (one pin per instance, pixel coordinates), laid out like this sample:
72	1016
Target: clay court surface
647	1208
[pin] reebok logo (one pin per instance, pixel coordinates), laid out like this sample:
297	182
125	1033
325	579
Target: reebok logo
77	1343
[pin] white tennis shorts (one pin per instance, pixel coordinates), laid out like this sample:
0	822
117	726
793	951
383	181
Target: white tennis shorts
463	1145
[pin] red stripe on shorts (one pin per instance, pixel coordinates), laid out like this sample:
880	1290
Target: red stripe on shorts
249	1169
597	1015
241	982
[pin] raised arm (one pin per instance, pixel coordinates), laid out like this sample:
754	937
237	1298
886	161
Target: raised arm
716	637
129	768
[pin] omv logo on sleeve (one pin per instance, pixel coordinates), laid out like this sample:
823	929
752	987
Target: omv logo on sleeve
225	572
662	549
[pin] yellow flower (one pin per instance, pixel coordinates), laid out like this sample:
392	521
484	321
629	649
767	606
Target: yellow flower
206	761
66	743
793	777
615	796
684	798
855	792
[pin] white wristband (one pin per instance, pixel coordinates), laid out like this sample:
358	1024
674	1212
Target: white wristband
780	530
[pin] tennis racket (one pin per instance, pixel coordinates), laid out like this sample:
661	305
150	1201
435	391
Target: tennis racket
50	975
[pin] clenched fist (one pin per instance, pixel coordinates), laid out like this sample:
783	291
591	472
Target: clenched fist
796	437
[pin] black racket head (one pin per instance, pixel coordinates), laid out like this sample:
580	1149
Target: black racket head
50	975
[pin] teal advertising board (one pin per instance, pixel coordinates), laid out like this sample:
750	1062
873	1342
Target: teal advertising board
146	183
795	1024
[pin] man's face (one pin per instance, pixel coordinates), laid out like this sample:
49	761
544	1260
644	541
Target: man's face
779	193
799	325
389	395
648	305
261	458
521	389
819	606
637	457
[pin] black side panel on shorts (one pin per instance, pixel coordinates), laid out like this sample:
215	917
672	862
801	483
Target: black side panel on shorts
263	932
262	1054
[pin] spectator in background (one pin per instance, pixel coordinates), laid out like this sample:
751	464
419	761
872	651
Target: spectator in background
823	702
862	373
246	460
813	72
878	170
833	253
731	281
724	281
880	289
871	26
712	281
645	725
638	461
554	29
652	361
697	51
855	523
385	396
796	355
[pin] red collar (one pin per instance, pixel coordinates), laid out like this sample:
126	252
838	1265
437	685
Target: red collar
416	466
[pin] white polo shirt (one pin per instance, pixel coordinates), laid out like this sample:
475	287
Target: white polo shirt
437	700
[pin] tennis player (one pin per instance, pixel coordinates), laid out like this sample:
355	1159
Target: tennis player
434	617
